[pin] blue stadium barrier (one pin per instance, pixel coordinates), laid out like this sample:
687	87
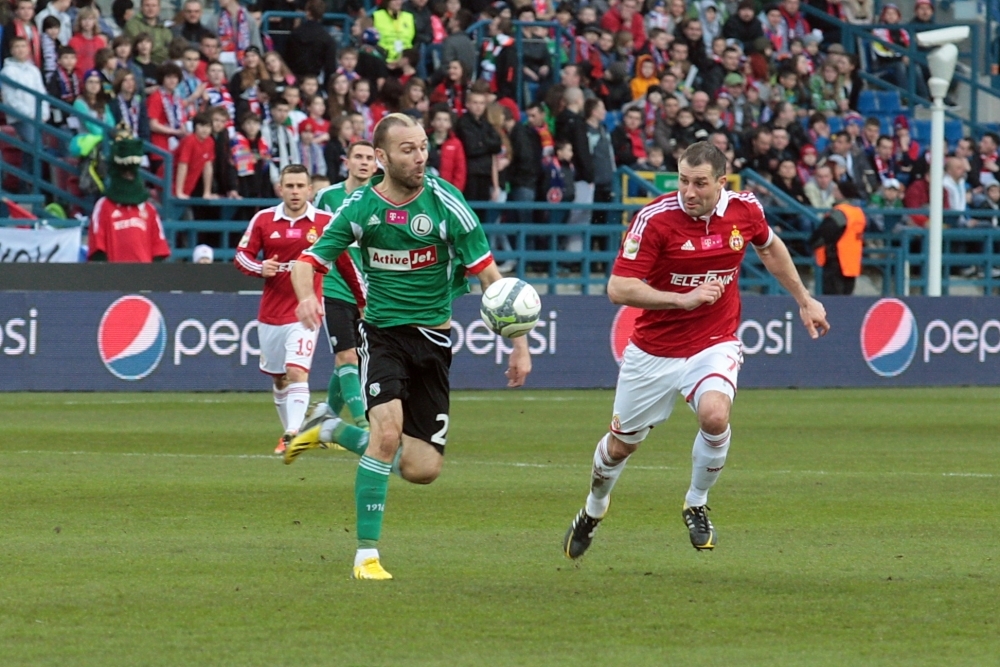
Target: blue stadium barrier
867	103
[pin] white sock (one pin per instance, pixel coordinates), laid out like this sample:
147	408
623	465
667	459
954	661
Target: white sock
603	478
298	403
280	404
707	459
327	427
364	554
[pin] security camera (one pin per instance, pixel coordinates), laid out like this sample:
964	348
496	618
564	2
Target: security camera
943	36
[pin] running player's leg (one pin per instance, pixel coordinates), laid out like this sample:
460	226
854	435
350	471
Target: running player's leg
341	320
644	397
272	362
709	385
350	385
300	343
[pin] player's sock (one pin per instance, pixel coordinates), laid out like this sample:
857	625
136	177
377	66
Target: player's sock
370	488
298	404
347	436
364	554
707	459
333	398
396	459
350	389
280	403
603	478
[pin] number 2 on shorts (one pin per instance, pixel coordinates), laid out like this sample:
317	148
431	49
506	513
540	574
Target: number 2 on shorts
439	437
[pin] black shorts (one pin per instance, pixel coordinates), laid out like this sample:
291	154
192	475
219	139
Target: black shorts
410	364
341	324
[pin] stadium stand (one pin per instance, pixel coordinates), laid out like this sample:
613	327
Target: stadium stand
697	74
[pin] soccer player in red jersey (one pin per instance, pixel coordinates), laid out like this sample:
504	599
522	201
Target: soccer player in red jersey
280	234
680	263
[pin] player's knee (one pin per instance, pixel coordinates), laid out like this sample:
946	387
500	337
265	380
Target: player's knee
619	449
425	474
296	374
347	357
713	415
280	381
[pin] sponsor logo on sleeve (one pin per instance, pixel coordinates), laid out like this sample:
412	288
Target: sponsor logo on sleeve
631	247
402	260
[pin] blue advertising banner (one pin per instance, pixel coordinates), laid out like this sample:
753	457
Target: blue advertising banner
104	341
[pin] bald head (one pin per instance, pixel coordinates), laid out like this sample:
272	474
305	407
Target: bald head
573	97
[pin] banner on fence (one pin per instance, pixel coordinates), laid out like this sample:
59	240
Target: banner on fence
39	245
102	341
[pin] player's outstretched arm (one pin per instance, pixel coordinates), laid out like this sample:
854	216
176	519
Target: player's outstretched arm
778	262
309	311
520	359
627	291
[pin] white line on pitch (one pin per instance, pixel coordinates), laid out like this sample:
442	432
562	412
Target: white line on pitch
516	464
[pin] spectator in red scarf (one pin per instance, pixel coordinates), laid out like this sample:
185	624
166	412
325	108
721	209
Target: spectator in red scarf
449	85
23	25
629	142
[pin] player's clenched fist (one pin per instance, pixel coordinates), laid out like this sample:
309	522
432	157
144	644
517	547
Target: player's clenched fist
310	313
706	293
269	267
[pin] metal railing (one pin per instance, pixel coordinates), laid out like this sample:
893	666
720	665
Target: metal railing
854	35
51	146
342	22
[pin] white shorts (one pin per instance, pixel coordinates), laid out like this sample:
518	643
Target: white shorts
648	385
286	345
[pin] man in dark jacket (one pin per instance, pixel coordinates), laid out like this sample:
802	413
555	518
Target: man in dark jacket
481	142
715	76
571	127
743	25
311	49
526	160
627	141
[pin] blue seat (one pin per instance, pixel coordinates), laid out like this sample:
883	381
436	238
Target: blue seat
886	126
888	102
952	131
836	124
921	131
867	103
612	119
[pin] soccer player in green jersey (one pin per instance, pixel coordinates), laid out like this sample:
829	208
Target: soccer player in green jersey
418	239
339	306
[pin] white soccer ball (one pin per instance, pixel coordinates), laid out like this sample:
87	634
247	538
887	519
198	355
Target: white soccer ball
510	307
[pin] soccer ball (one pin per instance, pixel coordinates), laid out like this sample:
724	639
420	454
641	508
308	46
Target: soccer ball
510	307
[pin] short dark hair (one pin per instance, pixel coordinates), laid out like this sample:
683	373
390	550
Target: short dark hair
294	169
281	101
204	118
359	144
882	138
589	106
992	136
219	111
50	22
702	152
872	121
65	51
562	143
315	9
633	110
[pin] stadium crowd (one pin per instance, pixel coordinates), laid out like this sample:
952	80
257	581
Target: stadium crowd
618	82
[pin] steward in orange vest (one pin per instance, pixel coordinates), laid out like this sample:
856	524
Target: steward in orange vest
839	242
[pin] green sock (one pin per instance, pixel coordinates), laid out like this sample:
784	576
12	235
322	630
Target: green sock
350	389
347	436
370	488
333	398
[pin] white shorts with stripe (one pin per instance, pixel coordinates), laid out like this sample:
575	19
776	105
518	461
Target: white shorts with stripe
286	345
648	385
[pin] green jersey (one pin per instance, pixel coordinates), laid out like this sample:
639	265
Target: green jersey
414	254
330	199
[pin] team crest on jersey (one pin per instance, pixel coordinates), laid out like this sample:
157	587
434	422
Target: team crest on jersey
631	247
312	235
374	389
736	240
616	423
421	225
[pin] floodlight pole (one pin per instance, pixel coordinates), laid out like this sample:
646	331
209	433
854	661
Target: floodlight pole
935	224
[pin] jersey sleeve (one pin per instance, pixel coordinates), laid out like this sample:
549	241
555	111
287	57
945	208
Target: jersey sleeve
249	247
97	235
339	233
157	239
760	234
464	231
640	250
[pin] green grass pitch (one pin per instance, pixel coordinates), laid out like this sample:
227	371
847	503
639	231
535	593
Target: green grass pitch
855	528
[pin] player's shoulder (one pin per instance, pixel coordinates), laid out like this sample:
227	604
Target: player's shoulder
441	187
663	209
744	203
329	192
264	216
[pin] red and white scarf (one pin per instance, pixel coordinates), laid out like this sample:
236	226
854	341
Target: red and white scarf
234	40
34	41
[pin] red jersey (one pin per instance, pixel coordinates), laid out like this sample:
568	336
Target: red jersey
674	252
126	233
276	236
195	153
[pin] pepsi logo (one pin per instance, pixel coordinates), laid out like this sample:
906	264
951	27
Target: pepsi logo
132	337
621	330
889	337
